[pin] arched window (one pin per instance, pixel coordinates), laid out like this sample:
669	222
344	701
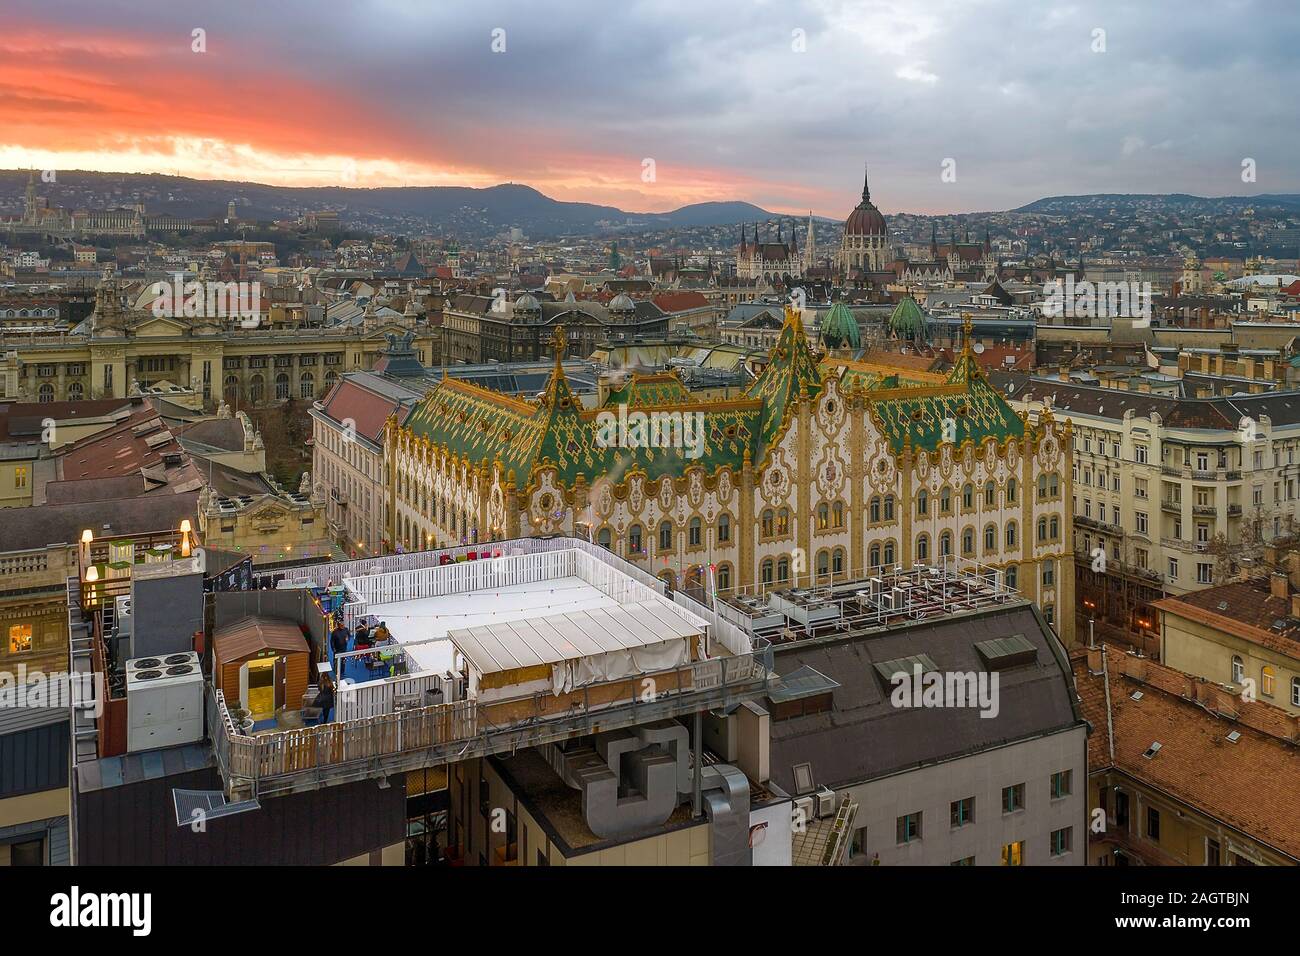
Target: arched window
724	577
768	523
1011	534
694	532
837	561
889	507
875	509
1042	529
1266	680
1011	491
890	553
922	502
823	564
1054	528
231	389
76	392
331	378
783	569
968	541
765	570
945	500
1010	575
666	536
281	387
1042	487
990	495
945	544
875	556
823	516
634	539
923	547
783	521
307	385
256	389
604	538
837	515
1238	670
990	538
724	528
968	496
45	394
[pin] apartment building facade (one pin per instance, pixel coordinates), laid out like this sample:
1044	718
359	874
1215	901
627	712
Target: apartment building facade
1171	495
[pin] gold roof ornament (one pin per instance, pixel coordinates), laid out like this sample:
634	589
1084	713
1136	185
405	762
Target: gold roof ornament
967	327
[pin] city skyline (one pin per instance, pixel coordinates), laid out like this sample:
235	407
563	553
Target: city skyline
775	106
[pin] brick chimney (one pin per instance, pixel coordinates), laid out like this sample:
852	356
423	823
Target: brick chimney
1278	584
1293	567
1094	660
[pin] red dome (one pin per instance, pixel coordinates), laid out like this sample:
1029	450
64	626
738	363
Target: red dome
865	220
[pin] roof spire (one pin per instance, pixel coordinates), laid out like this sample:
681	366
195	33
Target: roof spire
866	190
966	328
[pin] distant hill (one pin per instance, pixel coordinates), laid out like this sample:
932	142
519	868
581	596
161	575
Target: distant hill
457	209
1162	202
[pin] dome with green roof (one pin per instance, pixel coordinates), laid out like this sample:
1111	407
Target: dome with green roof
908	321
840	328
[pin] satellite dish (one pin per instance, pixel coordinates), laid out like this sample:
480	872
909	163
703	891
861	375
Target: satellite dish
978	347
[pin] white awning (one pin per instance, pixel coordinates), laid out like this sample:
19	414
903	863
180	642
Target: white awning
492	648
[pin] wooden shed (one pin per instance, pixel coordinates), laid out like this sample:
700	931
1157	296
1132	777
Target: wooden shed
261	663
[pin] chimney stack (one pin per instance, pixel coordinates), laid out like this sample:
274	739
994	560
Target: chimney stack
1279	584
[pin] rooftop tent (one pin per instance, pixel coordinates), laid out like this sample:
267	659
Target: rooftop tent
567	651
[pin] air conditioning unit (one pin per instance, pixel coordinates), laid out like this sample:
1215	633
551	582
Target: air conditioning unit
803	810
164	701
825	803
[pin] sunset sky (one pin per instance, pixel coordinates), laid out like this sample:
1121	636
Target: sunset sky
717	93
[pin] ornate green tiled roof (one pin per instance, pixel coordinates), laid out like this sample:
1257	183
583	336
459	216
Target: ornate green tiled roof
792	373
975	408
870	377
479	423
644	391
840	328
908	321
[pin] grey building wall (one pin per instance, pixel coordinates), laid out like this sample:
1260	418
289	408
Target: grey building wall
932	789
54	831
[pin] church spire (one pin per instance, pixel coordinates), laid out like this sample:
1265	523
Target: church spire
866	189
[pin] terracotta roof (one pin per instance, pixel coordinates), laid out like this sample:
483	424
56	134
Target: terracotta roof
136	442
1252	785
1247	609
680	301
249	635
23	419
369	410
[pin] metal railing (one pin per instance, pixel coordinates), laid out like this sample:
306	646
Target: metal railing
312	757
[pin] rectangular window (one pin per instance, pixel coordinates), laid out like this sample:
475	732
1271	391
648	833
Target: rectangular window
20	477
20	638
1204	573
1061	782
1013	854
909	828
1140	454
964	861
1062	841
1153	824
1141	521
1212	857
963	812
1013	798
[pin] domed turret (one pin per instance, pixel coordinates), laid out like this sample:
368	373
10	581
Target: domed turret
908	321
622	310
526	308
840	329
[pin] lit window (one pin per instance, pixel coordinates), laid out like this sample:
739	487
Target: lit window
20	638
